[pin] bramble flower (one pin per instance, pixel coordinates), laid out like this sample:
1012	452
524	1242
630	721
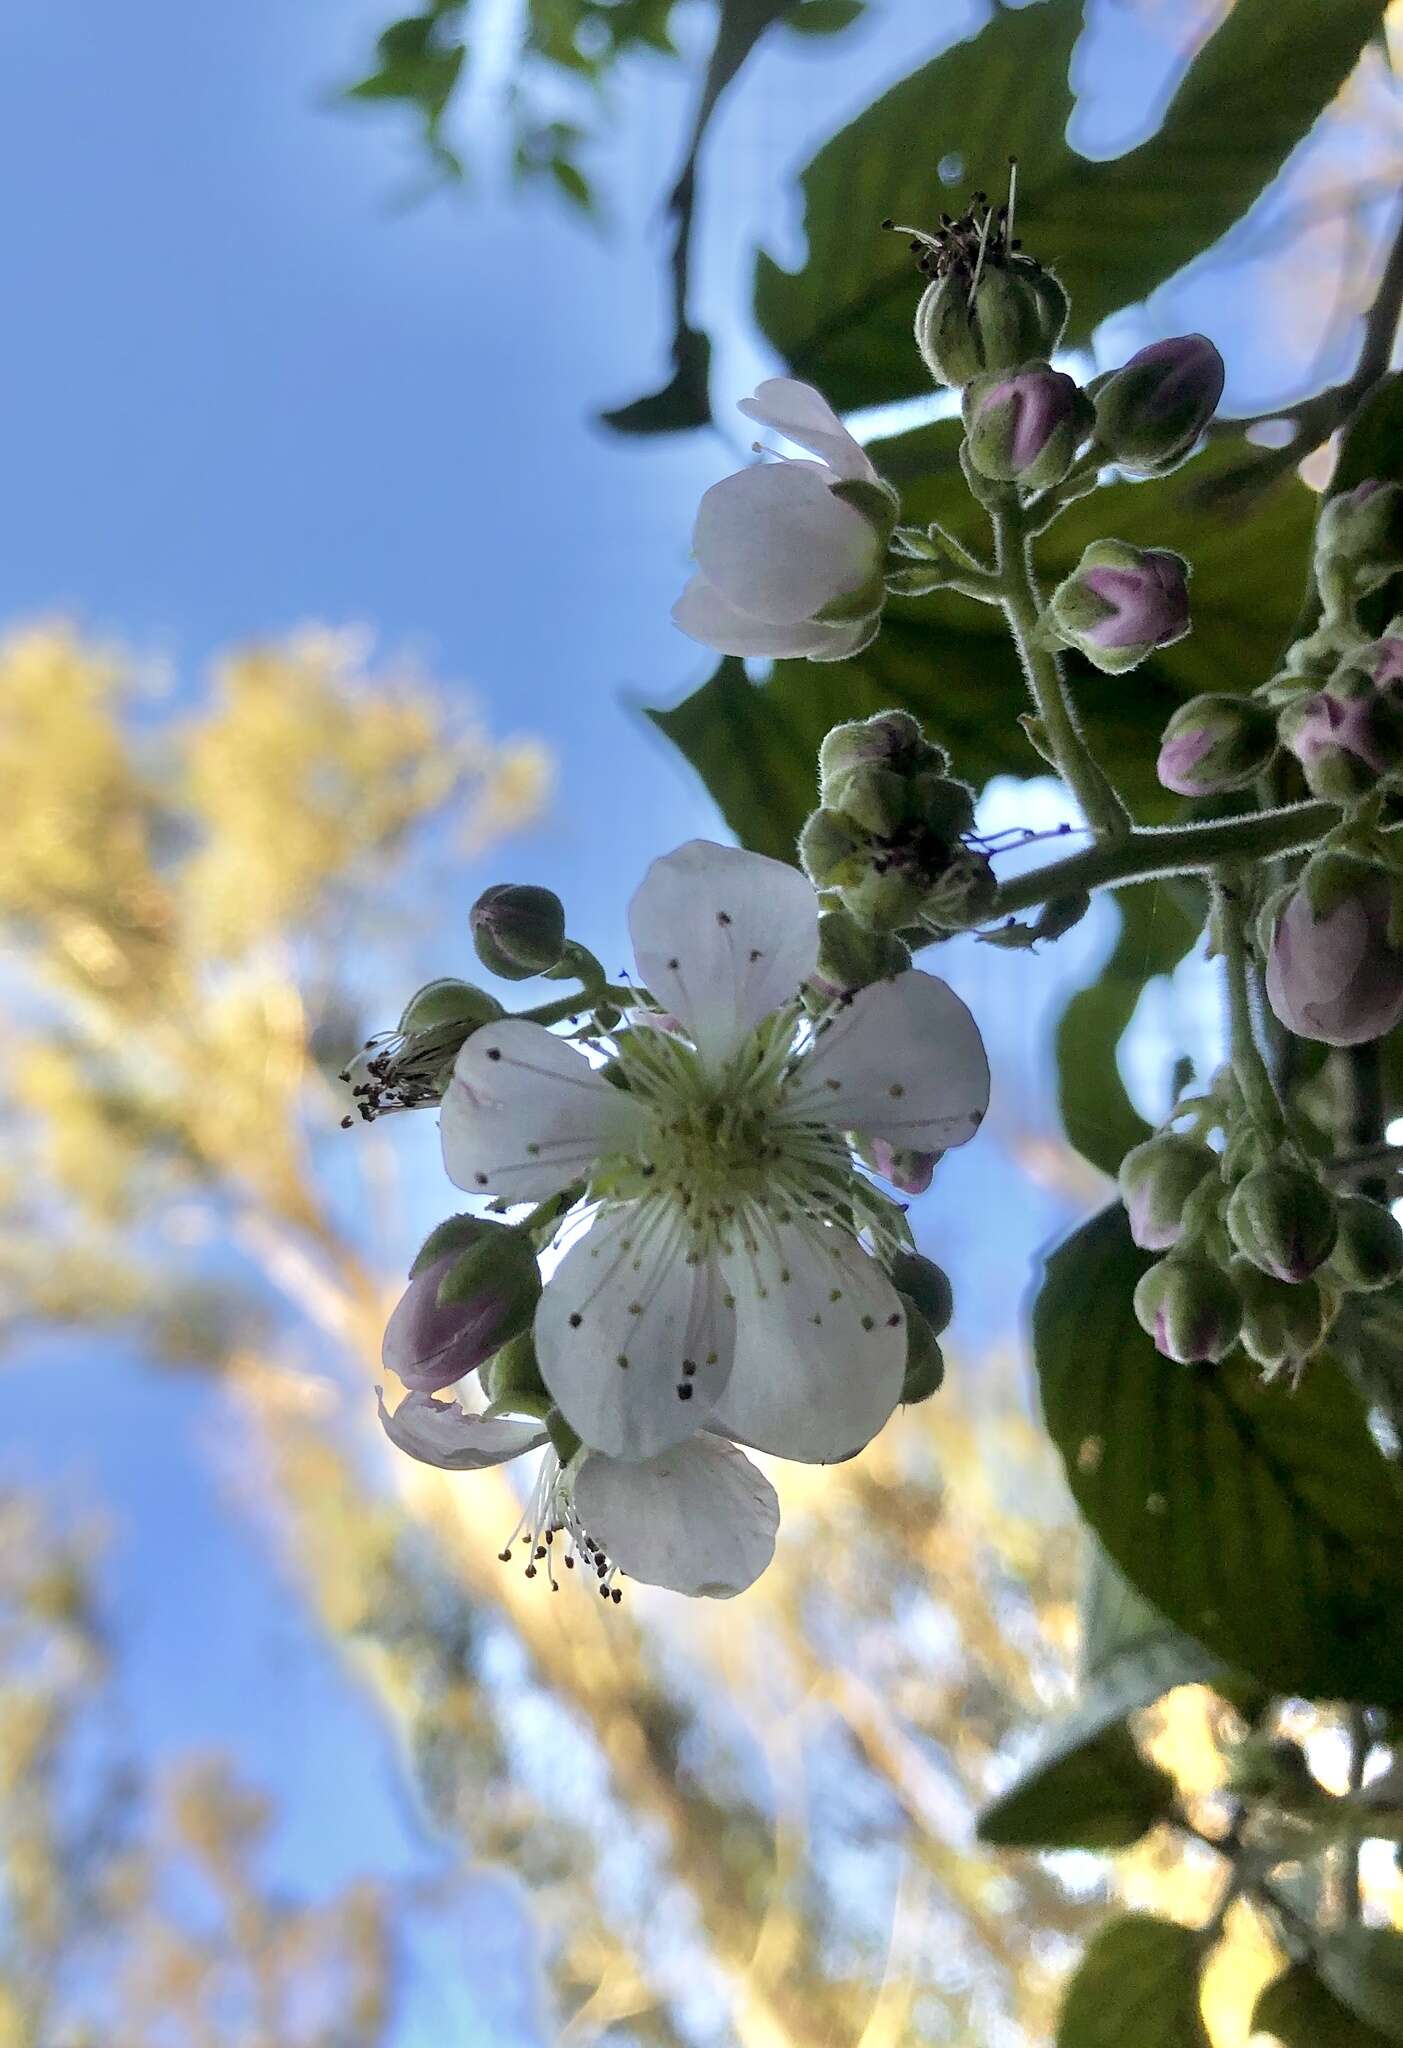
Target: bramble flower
789	553
723	1280
698	1519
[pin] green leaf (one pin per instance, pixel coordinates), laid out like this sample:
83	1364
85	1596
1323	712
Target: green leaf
683	402
1363	1966
824	17
1128	1649
1080	1792
415	65
1113	231
1136	1987
1263	1522
1298	2009
950	662
1372	446
1099	1118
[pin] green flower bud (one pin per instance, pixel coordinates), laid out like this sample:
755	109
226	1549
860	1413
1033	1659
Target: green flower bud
498	1269
1348	737
515	1373
1214	744
1150	413
1283	1219
1283	1322
1015	314
874	798
1156	1179
1025	426
1122	602
441	1004
1190	1309
1369	1248
925	1362
850	956
454	1234
518	930
888	895
1359	540
890	739
919	1280
831	849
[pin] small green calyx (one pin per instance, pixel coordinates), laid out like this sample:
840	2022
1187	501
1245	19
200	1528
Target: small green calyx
411	1066
1283	1322
518	930
925	1361
497	1268
850	957
515	1372
926	1287
564	1441
454	1234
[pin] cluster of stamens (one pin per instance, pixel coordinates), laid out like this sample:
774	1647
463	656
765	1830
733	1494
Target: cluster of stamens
397	1070
962	246
548	1513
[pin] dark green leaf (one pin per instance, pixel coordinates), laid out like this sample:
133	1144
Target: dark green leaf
1262	1521
1128	1649
571	180
1080	1792
1098	1115
824	17
1363	1966
683	402
1298	2009
1372	445
949	661
1113	231
1137	1987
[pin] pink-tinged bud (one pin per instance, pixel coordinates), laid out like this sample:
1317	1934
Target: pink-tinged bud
1150	413
1156	1180
518	929
1026	426
911	1172
1283	1219
1214	744
459	1311
1334	969
1349	736
1189	1308
1122	602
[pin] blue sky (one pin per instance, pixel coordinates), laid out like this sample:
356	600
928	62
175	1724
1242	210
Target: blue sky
245	391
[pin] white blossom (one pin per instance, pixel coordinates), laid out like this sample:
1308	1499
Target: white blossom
786	563
723	1281
698	1519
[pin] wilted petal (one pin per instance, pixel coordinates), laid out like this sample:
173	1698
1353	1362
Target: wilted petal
904	1061
703	614
699	1519
820	1345
778	544
525	1114
805	417
634	1343
723	937
441	1433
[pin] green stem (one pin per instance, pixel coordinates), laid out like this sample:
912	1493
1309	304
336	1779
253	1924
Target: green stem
582	1000
1103	809
1250	1068
1150	852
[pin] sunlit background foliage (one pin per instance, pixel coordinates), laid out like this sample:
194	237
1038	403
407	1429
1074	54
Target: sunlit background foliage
286	1756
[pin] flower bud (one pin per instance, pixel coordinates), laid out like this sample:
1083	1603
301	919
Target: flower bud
1014	314
892	739
830	849
1283	1219
921	1281
454	1234
1150	413
1025	427
1190	1308
459	1310
925	1361
1359	539
1369	1248
518	930
1122	602
874	798
852	957
1349	736
1214	744
1334	969
1283	1322
1156	1179
911	1172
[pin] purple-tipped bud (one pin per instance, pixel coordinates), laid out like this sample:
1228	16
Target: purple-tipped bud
460	1310
1150	413
1122	602
911	1172
1214	744
1349	736
1025	426
1189	1308
1359	539
518	930
1156	1180
892	740
1334	969
1283	1219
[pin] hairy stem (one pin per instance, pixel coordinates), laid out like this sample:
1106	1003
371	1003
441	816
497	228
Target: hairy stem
1103	809
1250	1068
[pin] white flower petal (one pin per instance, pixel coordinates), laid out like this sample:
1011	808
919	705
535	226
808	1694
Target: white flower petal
703	614
904	1061
634	1343
699	1519
820	1346
525	1114
779	546
804	416
722	937
441	1433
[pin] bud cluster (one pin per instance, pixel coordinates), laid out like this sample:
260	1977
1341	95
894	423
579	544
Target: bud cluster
1259	1251
890	842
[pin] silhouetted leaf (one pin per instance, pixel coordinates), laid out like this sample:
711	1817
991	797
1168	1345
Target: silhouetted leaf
1299	2010
1137	1984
